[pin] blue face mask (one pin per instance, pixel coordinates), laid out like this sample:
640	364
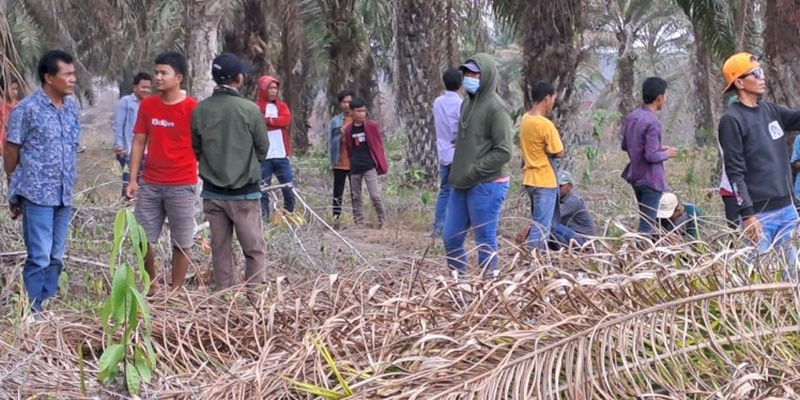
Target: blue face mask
472	84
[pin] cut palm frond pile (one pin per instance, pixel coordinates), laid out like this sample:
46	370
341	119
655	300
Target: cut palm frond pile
669	321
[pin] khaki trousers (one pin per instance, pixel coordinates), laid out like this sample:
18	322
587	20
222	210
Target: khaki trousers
374	190
243	216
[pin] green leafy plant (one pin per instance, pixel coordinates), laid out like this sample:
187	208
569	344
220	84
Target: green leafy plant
125	315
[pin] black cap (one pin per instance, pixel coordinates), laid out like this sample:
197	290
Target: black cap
226	66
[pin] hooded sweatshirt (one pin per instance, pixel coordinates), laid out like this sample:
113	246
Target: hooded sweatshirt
484	142
277	117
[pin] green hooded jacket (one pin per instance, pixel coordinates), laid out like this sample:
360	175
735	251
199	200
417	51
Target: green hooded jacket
484	142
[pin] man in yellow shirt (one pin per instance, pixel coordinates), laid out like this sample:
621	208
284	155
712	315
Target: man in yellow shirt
540	144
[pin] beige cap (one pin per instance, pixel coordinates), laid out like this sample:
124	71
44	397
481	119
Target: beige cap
667	205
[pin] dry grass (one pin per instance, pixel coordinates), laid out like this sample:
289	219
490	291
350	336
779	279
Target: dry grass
696	320
614	324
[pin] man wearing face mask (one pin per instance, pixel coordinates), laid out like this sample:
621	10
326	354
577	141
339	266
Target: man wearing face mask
753	150
478	175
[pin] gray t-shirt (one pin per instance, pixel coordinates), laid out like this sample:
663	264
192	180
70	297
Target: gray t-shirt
575	215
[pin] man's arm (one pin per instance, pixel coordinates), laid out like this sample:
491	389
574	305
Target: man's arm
284	118
16	133
570	207
653	152
119	124
453	121
500	154
197	144
730	139
137	154
10	158
554	145
790	119
260	134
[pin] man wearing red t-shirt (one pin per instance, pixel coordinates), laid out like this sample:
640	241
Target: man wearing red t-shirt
169	181
8	100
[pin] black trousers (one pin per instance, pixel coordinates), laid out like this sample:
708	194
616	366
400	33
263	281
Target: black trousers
339	180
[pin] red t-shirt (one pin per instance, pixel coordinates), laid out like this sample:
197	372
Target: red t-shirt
170	158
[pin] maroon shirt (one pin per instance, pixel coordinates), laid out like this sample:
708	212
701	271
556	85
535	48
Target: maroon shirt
641	138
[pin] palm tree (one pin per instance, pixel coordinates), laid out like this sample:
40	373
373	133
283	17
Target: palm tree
782	53
202	24
418	63
550	31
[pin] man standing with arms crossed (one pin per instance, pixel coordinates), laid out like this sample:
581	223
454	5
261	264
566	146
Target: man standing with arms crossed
124	119
230	141
170	179
446	110
753	149
40	161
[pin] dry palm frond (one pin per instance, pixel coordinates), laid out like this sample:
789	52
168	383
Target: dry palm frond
625	321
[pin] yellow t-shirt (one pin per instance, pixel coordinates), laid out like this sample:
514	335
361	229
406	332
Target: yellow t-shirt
538	139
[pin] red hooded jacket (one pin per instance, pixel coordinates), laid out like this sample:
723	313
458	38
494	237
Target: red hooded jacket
284	118
375	143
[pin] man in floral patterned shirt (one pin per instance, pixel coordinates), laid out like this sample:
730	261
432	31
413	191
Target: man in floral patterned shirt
40	152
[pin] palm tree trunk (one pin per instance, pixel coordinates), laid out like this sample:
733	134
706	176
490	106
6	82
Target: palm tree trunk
248	39
416	63
202	23
294	67
625	75
783	52
345	46
551	52
703	115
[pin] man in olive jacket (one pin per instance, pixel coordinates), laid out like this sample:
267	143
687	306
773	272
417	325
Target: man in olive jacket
478	175
230	140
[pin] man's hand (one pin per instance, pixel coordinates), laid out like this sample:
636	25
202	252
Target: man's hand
15	210
118	150
672	152
753	230
132	189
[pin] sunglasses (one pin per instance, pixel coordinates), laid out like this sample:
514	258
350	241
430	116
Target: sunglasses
758	73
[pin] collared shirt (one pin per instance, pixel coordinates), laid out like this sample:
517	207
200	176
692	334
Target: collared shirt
446	111
124	120
641	138
48	141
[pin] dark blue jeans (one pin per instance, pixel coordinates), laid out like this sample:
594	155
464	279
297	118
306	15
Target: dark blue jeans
544	202
282	170
441	202
44	230
648	199
565	237
478	208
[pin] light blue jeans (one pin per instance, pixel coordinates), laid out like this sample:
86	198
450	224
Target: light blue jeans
779	226
543	206
478	208
441	202
44	230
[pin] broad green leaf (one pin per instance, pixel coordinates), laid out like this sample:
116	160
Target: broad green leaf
143	365
118	292
119	230
144	309
109	362
132	379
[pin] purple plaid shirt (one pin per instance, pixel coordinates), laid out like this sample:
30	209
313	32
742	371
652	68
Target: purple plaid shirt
641	138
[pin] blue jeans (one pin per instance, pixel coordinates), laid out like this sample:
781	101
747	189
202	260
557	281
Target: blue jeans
283	171
543	207
648	199
441	202
565	236
778	226
44	229
478	208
